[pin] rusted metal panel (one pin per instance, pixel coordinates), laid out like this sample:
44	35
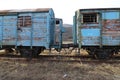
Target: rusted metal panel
111	25
111	32
111	28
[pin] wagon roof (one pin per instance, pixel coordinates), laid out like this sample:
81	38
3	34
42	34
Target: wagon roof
101	9
26	10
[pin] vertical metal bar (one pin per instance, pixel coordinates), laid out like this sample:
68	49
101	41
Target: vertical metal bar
79	25
119	16
74	30
48	32
100	26
31	31
60	35
23	21
119	30
16	31
2	31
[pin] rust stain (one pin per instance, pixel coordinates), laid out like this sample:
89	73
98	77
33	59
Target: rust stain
111	25
88	27
38	38
23	38
111	29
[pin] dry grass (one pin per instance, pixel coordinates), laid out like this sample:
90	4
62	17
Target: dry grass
65	51
45	70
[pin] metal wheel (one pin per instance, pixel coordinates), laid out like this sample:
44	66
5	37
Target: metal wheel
36	52
103	54
26	53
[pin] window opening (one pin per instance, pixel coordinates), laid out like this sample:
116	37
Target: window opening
90	18
24	21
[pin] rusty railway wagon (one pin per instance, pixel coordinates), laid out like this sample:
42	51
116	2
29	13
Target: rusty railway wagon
30	30
97	31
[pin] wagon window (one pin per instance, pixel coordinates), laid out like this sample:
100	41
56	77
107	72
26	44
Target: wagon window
24	21
57	22
90	18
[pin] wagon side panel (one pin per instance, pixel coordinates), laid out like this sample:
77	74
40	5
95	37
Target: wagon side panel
40	29
8	28
111	28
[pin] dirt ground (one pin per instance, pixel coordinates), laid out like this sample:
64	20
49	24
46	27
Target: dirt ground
44	70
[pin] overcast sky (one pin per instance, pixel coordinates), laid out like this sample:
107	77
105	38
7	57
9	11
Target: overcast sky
63	8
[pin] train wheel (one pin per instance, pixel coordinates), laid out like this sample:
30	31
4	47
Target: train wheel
91	53
26	53
36	51
102	54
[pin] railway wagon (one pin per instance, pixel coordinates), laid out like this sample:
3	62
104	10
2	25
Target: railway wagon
97	31
30	31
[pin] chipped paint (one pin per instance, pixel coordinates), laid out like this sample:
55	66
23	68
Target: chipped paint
107	22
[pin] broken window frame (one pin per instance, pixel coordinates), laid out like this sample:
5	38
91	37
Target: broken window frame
89	18
24	21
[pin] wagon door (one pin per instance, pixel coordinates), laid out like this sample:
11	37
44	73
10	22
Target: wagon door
89	30
8	25
24	29
40	30
111	28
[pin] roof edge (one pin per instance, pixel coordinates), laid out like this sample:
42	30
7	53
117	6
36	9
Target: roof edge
26	10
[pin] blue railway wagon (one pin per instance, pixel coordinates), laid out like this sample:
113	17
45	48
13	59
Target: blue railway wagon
29	29
97	31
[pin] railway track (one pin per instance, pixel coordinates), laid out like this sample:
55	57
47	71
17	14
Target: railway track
60	58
